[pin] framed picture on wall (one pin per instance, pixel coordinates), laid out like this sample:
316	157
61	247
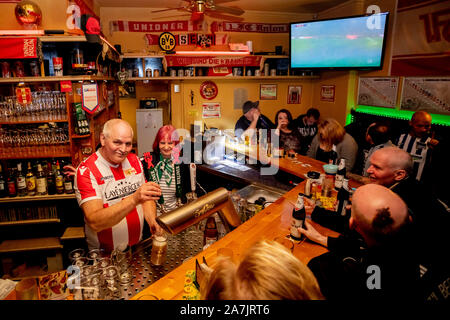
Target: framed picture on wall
327	93
268	92
294	94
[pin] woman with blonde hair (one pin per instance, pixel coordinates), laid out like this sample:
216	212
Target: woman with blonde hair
331	138
268	271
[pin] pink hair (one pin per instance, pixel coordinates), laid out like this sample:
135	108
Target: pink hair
165	131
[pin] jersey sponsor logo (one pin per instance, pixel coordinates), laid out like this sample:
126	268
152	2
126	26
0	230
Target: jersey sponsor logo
120	190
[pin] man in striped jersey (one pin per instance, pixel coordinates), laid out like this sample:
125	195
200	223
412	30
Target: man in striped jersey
112	192
418	143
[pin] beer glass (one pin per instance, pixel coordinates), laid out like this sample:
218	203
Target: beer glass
159	249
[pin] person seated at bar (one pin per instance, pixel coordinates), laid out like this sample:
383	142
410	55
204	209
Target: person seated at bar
164	167
111	190
268	271
251	120
377	137
332	141
290	138
386	267
307	127
424	148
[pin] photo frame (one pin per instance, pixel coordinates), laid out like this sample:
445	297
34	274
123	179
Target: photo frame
268	92
294	94
327	93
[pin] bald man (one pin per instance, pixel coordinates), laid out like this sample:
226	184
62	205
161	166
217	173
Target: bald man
419	142
384	265
111	190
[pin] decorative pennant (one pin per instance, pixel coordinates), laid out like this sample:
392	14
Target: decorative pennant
65	86
89	97
23	95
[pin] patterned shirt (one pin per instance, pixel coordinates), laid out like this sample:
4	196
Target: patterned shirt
418	149
96	178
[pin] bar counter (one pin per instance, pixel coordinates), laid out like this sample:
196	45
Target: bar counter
272	222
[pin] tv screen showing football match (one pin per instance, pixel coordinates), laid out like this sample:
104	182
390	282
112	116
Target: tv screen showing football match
351	42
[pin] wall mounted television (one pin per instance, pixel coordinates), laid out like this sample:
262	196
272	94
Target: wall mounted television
356	42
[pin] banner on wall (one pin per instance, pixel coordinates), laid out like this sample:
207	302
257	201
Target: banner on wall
157	26
191	39
428	94
421	38
212	61
228	26
210	110
18	48
378	91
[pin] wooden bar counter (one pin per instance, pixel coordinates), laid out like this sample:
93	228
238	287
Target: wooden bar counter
272	222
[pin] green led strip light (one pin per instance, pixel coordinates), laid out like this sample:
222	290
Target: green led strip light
440	119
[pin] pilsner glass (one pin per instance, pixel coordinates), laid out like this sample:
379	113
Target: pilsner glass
159	249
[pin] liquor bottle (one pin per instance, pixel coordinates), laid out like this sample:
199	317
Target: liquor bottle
340	175
50	179
3	186
11	183
211	234
21	182
343	197
41	181
30	179
59	179
333	155
68	183
298	217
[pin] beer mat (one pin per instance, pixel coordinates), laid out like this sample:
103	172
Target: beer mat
190	290
54	286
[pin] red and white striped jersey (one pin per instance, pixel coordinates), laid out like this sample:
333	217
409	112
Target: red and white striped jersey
96	178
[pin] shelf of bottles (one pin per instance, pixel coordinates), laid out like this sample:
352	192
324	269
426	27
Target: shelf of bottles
42	179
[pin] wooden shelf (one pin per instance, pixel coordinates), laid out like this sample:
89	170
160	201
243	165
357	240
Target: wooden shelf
38	198
72	233
19	155
31	121
226	78
30	245
75	136
24	222
49	79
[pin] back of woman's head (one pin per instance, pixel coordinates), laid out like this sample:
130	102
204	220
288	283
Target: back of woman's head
330	131
163	132
267	272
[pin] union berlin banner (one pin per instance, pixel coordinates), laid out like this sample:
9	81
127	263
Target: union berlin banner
422	38
157	26
212	61
228	26
18	48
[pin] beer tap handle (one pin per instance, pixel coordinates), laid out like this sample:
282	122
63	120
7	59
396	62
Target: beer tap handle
193	172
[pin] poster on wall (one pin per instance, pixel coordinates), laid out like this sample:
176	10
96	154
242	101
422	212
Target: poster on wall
327	93
294	94
430	94
210	110
378	91
268	92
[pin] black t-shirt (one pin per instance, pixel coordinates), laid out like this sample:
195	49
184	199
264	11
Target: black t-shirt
243	123
307	132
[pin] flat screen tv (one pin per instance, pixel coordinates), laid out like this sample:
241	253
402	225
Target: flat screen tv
356	42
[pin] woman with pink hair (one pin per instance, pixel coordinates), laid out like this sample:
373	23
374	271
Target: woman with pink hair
164	167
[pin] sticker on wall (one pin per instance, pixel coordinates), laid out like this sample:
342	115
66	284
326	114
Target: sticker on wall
210	110
89	97
208	90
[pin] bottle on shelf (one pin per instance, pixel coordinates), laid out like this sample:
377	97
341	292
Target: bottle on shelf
21	181
11	183
68	182
340	175
343	197
3	186
51	186
211	234
59	179
41	181
298	217
30	179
